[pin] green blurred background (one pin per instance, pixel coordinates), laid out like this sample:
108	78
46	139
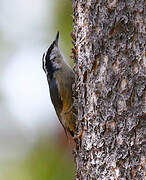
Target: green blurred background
33	145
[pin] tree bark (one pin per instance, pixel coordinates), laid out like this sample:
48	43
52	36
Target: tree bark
110	81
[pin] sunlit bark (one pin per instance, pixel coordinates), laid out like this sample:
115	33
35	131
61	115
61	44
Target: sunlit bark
110	80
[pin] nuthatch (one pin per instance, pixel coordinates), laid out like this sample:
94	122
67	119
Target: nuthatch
60	78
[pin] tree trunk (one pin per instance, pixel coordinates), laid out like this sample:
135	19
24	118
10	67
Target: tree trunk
110	81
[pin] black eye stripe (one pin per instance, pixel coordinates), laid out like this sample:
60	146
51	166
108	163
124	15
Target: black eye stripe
48	57
53	59
49	51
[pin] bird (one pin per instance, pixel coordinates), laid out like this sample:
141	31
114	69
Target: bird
60	77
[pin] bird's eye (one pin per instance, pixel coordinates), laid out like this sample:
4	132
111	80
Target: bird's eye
53	59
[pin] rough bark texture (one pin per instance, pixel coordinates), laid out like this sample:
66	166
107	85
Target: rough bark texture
110	81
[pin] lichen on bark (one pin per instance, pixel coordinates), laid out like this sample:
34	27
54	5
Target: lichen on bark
110	82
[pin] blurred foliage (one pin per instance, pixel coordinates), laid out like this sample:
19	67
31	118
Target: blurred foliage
47	161
63	23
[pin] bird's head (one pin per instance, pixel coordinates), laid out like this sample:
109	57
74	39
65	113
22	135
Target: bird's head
52	59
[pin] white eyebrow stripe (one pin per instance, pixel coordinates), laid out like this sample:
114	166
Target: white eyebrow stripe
44	62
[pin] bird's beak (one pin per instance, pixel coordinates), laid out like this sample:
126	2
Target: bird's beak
57	38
